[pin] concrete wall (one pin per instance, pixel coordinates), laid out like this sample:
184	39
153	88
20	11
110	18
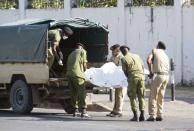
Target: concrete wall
9	16
44	14
139	27
144	31
188	45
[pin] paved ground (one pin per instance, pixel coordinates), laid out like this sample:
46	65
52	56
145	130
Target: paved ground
179	116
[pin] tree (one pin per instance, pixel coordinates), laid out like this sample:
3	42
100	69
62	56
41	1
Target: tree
8	4
42	4
152	2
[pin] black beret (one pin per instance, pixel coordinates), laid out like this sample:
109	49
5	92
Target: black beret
80	44
114	47
161	45
68	31
123	47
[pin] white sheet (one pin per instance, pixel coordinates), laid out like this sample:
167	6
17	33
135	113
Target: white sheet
109	75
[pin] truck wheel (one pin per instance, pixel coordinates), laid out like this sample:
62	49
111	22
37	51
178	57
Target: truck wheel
21	97
67	106
4	103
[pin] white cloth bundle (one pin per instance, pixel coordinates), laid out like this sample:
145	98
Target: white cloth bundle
109	75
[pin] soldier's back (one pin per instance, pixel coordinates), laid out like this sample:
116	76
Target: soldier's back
75	64
135	65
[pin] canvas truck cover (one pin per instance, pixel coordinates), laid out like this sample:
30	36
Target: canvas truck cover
23	43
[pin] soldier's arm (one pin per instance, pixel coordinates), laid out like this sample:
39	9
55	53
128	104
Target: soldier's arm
59	53
85	66
120	60
54	48
110	59
124	67
85	60
142	63
149	63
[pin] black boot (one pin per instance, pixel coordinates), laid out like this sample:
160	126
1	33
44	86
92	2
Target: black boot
75	112
84	114
142	117
151	118
134	117
159	118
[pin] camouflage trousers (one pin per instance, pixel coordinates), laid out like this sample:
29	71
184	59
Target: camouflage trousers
78	94
136	89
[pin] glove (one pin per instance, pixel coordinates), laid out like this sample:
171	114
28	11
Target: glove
61	55
60	62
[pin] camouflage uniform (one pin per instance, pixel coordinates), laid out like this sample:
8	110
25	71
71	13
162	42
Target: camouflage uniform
54	39
76	81
120	93
133	67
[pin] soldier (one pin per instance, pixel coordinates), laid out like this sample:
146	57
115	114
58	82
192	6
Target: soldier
120	92
54	51
76	65
160	63
134	70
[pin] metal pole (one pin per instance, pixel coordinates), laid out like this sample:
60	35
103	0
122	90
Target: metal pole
172	80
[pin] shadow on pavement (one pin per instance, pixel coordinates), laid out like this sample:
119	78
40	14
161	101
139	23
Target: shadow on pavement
54	117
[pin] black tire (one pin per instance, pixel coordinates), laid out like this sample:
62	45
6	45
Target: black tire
21	97
4	103
67	106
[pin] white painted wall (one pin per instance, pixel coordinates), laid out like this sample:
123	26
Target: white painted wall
9	16
133	27
188	44
143	35
45	14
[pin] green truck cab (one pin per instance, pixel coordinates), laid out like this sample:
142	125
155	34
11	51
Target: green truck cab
25	78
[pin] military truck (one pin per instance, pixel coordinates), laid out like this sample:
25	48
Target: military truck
25	78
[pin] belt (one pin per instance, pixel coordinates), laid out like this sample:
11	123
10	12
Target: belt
161	73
